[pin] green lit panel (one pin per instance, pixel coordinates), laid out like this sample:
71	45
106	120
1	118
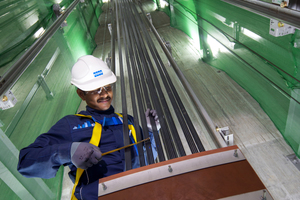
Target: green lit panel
186	21
238	42
82	42
97	7
90	18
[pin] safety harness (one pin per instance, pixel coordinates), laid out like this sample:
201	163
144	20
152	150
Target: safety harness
95	139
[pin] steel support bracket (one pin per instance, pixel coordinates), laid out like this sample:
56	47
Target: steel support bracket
236	35
227	137
295	160
110	29
41	81
278	28
108	60
8	100
58	11
168	45
149	18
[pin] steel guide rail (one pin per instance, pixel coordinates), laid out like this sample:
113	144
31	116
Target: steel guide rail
173	135
139	58
165	133
169	141
112	54
219	142
188	128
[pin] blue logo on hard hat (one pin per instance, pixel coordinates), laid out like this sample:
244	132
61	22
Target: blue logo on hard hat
98	73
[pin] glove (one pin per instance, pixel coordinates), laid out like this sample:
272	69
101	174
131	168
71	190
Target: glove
152	113
85	155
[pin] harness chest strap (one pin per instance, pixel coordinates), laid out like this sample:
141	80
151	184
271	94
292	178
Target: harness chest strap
95	140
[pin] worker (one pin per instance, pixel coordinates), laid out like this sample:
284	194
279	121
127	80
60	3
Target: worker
69	141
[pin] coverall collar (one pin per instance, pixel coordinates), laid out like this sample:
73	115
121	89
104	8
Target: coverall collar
111	110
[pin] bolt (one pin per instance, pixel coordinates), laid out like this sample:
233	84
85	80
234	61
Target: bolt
295	161
170	169
104	186
264	197
235	154
4	98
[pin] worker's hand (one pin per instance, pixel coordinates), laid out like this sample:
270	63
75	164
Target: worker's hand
152	113
85	155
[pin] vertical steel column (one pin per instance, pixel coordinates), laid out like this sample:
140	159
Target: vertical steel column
112	42
126	45
124	103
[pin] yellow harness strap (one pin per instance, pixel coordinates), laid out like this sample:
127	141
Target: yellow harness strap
131	127
95	140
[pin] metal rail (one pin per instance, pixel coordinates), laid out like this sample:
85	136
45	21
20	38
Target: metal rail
155	94
268	10
202	112
141	61
18	68
184	120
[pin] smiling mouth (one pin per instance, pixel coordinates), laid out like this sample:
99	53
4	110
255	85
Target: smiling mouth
103	100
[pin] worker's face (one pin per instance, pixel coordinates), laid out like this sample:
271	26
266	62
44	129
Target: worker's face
99	99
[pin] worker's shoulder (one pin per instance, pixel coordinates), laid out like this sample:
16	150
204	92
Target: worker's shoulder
70	119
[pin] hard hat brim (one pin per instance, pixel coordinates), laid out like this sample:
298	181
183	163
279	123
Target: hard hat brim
96	83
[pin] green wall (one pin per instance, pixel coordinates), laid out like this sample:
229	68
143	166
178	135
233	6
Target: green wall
34	114
238	42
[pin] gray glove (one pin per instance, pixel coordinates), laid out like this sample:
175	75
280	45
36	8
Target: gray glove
152	113
85	155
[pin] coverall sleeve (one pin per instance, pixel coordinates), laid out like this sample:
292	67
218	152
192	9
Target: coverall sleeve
153	145
48	152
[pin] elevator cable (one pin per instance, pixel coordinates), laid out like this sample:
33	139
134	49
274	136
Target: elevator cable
143	65
144	71
183	118
133	99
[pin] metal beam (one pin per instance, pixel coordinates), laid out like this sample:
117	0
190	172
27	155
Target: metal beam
268	10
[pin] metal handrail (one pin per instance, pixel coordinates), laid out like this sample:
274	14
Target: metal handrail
18	68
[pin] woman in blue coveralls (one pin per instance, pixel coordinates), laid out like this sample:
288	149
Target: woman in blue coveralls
68	142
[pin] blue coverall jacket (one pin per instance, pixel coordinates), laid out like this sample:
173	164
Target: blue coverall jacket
52	149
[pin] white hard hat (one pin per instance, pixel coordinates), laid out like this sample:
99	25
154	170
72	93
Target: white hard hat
90	73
